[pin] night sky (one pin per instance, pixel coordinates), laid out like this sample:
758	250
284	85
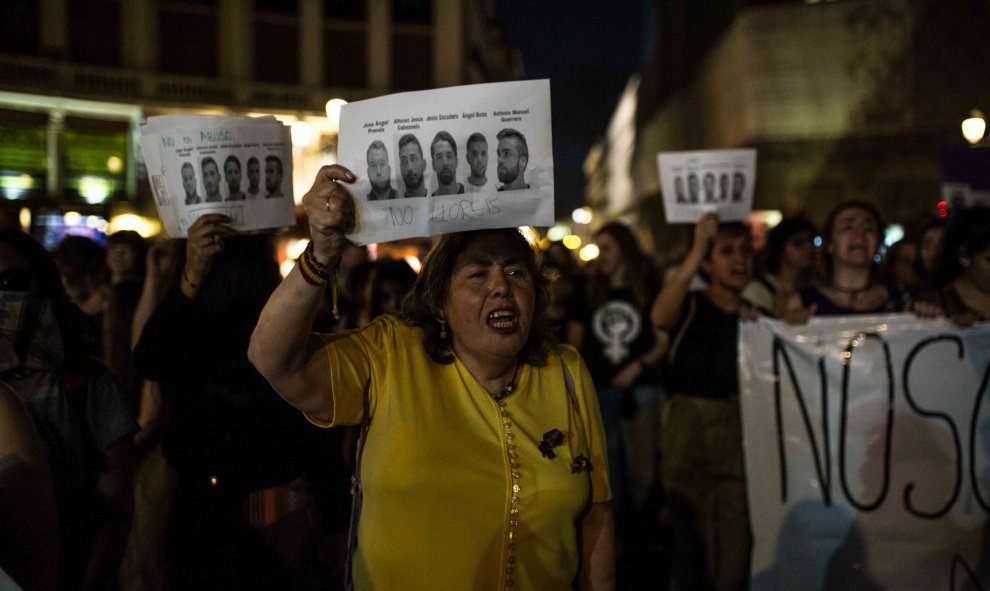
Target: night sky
588	50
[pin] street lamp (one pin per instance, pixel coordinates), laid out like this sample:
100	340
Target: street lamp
974	127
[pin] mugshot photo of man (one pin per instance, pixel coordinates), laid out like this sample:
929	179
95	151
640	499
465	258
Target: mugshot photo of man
477	159
273	176
443	151
379	173
738	185
412	166
189	183
709	185
692	188
232	174
254	177
513	156
679	189
723	186
211	179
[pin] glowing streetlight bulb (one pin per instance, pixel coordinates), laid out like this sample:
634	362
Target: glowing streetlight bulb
974	127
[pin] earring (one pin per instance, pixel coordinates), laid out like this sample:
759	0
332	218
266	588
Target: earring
443	330
964	261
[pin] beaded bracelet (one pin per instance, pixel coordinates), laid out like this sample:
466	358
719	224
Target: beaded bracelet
318	275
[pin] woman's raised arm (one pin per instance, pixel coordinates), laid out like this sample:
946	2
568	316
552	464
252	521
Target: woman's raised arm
667	307
282	348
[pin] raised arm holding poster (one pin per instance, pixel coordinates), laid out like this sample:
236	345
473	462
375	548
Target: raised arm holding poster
867	449
240	167
447	160
695	183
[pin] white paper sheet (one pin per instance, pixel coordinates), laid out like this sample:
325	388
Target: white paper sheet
695	183
515	172
237	166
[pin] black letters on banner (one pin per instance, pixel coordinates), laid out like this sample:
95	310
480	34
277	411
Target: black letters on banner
935	415
822	450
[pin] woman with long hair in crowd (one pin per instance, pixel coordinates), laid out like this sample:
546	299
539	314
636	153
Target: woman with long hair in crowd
609	325
790	258
850	285
962	274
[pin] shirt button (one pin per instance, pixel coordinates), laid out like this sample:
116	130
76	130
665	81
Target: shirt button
509	582
516	488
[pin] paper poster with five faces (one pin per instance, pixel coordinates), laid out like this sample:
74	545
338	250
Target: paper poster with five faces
695	183
449	160
237	166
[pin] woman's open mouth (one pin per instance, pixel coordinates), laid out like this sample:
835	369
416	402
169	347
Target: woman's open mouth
504	321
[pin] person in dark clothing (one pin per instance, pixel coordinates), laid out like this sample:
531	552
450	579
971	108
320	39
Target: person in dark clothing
83	418
228	433
609	324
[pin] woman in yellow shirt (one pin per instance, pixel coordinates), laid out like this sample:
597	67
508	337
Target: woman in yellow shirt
484	464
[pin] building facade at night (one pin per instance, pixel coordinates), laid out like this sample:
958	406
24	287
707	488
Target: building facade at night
78	77
842	100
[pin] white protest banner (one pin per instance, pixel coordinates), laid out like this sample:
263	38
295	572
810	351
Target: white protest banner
867	446
695	183
240	167
447	160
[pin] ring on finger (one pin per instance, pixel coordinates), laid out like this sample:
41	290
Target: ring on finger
211	240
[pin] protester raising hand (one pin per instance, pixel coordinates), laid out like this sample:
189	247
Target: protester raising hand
330	210
701	442
205	241
667	307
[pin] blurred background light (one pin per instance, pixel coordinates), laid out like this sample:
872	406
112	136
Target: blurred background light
572	241
557	233
582	215
588	252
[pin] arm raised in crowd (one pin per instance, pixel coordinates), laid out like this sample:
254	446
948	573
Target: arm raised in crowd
282	348
667	307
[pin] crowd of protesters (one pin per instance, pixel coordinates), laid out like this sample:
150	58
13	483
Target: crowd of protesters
131	412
